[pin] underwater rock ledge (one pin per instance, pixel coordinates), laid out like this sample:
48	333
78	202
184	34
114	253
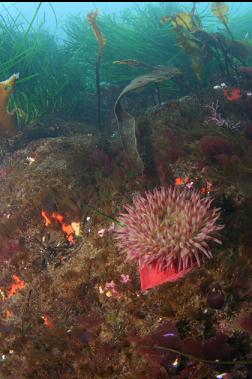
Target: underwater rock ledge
81	302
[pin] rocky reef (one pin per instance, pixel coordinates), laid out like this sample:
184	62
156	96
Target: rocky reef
71	306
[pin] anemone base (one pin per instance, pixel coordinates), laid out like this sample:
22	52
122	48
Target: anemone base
151	276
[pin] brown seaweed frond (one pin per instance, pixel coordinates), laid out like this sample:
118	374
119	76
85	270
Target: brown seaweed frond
197	359
133	63
220	10
92	20
126	122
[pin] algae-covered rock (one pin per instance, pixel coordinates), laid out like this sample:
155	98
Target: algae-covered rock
77	299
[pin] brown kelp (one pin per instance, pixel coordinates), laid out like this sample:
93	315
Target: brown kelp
204	47
220	10
92	19
185	24
126	122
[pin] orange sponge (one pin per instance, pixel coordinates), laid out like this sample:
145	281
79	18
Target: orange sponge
7	119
